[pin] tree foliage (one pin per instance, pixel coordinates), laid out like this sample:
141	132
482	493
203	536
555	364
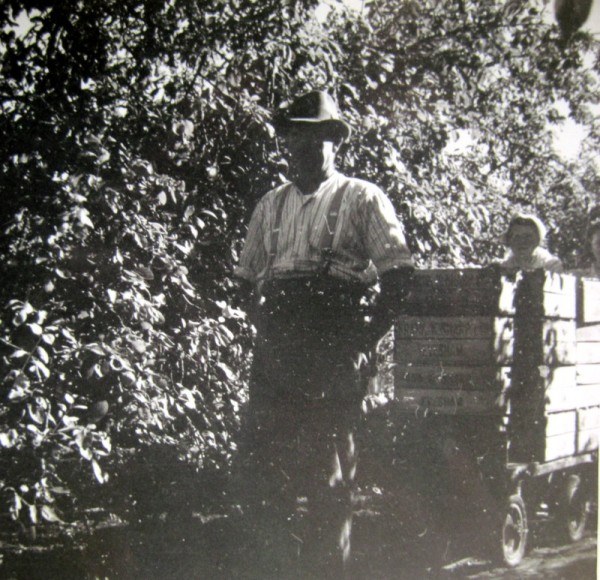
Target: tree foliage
136	139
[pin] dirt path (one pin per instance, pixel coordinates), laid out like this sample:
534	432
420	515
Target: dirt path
205	548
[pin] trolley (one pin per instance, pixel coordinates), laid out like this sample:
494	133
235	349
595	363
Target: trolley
507	368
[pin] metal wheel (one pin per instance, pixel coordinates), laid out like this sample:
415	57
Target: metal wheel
574	508
514	531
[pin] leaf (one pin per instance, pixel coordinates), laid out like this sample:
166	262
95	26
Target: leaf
229	374
35	415
19	353
48	514
139	346
98	471
41	367
84	218
42	354
36	329
8	439
112	296
144	272
188	398
33	513
95	348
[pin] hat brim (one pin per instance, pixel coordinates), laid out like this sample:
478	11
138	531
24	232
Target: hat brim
336	126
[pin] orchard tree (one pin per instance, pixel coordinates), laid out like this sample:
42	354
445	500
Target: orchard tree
131	145
462	110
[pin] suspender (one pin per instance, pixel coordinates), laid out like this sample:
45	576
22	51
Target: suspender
328	233
330	225
275	231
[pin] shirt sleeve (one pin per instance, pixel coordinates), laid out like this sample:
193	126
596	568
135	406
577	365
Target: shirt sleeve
555	265
384	239
253	259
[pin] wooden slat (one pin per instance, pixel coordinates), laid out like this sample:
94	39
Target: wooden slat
536	469
452	377
588	418
588	374
560	423
447	351
559	331
588	353
559	446
452	292
588	333
451	402
557	378
453	327
559	305
587	440
589	301
558	399
541	341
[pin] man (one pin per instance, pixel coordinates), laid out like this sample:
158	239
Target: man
313	249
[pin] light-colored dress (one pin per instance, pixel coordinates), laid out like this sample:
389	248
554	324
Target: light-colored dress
540	259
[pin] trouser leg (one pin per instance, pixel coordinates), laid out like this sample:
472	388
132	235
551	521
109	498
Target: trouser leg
327	524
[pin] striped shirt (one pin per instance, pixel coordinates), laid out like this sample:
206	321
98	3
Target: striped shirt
368	238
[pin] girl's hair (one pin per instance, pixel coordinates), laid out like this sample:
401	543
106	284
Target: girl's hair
525	219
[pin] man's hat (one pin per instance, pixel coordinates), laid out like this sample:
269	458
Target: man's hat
315	108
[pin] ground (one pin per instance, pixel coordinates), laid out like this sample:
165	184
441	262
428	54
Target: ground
387	544
431	522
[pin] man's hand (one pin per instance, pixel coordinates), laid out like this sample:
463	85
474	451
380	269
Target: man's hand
395	287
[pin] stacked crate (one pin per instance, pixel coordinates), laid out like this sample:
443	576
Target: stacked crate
454	347
542	425
588	365
476	342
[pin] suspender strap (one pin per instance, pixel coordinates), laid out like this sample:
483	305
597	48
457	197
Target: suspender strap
332	218
330	226
328	233
275	231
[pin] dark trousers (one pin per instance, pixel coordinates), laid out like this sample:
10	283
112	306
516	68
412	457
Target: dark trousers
297	455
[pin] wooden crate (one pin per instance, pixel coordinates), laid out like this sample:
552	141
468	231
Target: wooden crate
525	348
588	303
467	292
588	347
452	402
483	378
456	341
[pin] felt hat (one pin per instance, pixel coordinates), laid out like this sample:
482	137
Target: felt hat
316	108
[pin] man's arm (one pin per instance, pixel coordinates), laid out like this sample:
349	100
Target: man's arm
395	286
244	294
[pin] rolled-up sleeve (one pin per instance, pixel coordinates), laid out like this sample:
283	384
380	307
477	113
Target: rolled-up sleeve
253	259
383	234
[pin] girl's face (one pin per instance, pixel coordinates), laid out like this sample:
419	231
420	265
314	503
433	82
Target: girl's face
595	246
523	239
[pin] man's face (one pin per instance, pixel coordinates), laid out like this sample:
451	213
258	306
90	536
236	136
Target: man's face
311	151
523	239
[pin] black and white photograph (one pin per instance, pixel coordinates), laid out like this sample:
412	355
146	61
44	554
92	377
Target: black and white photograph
299	289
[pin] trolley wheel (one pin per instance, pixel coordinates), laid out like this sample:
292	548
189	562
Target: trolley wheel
573	508
514	531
